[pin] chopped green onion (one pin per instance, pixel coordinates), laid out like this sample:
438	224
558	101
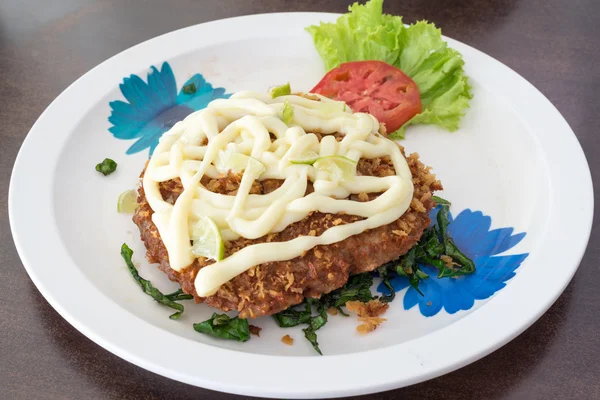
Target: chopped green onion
190	88
288	113
283	90
106	167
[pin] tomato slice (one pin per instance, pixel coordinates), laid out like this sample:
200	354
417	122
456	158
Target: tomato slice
373	87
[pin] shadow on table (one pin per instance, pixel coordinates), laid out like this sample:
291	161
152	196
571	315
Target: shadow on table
103	374
492	377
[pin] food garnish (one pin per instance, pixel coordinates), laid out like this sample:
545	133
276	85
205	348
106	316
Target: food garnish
357	288
167	300
255	330
293	316
371	308
283	90
434	246
339	168
356	293
190	88
373	87
230	160
308	157
288	113
106	167
369	324
287	339
127	202
179	295
225	327
419	50
207	241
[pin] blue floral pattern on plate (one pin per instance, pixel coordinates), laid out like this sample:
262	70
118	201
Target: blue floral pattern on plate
471	233
153	107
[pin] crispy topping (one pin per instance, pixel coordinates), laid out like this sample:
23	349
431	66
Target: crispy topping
255	330
287	339
373	308
369	324
332	311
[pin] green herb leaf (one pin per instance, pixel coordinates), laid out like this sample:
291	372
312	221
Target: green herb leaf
384	274
146	286
468	265
430	244
179	295
358	288
225	327
421	275
443	219
465	264
434	243
288	113
106	167
441	201
292	317
342	312
319	320
414	281
434	262
311	336
283	90
408	263
365	33
190	88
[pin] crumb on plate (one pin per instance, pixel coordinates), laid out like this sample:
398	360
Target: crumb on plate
332	311
368	314
369	324
255	330
374	308
287	339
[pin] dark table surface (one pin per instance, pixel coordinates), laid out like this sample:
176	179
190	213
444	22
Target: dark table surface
46	45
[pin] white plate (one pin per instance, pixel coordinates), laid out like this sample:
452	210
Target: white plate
514	158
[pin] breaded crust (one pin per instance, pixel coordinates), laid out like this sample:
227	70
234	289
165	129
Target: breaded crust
272	287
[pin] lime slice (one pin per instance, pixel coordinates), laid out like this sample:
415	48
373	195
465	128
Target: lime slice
254	167
308	157
230	160
338	167
206	240
127	202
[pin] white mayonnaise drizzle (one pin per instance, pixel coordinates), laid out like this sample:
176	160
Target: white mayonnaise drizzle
242	124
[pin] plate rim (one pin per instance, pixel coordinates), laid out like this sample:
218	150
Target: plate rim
527	314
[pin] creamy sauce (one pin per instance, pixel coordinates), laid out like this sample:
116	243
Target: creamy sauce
242	124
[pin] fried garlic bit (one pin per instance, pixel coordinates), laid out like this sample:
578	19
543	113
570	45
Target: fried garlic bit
287	339
369	324
368	314
255	330
332	311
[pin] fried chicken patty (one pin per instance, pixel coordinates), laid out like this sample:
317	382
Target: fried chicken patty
274	286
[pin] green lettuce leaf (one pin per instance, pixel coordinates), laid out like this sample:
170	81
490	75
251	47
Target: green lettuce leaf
365	33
